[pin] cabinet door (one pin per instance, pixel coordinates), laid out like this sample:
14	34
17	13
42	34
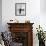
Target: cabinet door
20	37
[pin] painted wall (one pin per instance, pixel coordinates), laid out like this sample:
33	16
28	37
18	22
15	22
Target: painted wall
43	14
33	13
43	6
0	15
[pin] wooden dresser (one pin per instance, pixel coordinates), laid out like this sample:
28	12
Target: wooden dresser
22	33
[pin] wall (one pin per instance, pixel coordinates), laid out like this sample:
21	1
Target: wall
43	14
43	6
33	13
0	15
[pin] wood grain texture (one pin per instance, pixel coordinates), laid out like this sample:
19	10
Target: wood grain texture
23	27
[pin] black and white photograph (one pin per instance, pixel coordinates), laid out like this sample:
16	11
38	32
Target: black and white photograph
20	9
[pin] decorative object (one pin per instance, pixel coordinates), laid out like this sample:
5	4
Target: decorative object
1	40
27	21
20	9
7	38
41	36
13	21
45	35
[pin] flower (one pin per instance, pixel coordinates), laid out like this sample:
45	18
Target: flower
40	33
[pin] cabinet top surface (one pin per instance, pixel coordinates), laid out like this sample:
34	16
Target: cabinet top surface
19	23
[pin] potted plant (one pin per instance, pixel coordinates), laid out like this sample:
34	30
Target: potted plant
41	36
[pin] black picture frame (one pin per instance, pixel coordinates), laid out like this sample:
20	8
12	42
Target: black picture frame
20	9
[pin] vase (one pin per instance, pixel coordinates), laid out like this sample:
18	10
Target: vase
41	43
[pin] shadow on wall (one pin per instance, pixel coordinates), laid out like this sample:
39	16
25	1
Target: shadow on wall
0	15
43	6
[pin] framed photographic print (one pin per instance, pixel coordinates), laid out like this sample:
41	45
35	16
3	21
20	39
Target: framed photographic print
20	9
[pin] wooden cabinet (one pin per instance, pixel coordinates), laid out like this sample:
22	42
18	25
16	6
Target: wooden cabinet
22	33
